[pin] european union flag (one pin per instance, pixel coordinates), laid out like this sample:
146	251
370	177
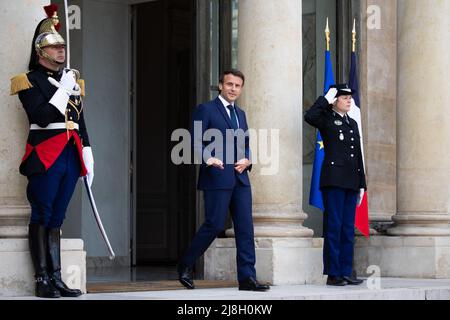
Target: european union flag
315	195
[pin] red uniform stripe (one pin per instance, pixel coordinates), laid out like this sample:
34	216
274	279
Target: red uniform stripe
49	150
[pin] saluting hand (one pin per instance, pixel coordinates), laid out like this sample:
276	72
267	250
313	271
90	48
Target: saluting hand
331	95
241	165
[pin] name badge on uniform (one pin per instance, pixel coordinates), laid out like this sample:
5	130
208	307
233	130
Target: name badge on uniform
338	122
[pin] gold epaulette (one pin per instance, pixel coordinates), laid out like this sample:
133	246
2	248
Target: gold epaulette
81	84
19	83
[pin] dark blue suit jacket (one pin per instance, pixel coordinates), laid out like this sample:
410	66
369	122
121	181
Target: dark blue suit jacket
213	115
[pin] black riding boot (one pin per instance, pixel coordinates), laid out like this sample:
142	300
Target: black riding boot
37	240
54	264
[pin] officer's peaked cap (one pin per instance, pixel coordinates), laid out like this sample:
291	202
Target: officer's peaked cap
343	89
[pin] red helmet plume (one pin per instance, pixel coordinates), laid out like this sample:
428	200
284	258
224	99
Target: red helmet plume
52	13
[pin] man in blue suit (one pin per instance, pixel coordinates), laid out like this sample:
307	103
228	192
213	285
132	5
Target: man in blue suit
223	177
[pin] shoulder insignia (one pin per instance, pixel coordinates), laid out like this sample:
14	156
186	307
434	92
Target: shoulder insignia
81	84
19	83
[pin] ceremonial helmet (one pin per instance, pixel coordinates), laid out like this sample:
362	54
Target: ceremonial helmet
46	34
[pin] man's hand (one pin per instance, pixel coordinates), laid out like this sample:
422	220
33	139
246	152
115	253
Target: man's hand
215	163
68	80
331	95
241	165
360	196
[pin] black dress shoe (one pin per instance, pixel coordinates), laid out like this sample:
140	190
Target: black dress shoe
63	288
251	284
352	280
185	276
336	281
44	288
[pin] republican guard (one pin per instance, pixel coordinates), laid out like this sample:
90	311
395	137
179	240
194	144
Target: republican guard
57	151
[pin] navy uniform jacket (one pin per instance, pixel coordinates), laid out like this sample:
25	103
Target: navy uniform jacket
213	115
343	164
44	146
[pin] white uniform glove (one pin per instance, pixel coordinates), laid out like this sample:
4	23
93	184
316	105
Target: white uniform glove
331	95
88	159
61	96
360	196
68	80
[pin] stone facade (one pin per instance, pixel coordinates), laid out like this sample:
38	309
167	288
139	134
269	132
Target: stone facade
418	242
378	94
404	95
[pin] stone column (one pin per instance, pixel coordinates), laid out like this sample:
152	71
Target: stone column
419	245
378	65
270	56
424	119
16	40
19	20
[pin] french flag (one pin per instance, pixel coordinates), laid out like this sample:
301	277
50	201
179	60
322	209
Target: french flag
362	212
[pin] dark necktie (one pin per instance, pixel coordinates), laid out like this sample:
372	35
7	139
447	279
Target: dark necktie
234	123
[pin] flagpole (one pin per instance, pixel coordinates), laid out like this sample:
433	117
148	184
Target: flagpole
315	195
354	36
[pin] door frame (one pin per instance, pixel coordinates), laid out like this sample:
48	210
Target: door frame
133	134
204	86
133	125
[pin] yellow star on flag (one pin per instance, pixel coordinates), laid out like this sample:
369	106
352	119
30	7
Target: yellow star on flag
320	144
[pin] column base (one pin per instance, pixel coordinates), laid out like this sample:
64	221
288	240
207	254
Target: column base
416	224
272	221
279	261
14	220
404	257
380	222
17	274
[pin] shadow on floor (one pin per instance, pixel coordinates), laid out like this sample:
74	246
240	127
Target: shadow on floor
131	274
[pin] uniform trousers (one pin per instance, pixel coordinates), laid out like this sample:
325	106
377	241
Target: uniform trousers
338	230
49	193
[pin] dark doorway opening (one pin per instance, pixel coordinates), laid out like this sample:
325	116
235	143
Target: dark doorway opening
164	96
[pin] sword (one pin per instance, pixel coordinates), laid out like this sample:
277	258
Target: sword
66	16
112	255
77	90
66	13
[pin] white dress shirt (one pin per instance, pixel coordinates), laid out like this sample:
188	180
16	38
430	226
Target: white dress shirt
225	104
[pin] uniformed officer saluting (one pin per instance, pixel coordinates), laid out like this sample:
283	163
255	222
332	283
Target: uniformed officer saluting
342	180
57	152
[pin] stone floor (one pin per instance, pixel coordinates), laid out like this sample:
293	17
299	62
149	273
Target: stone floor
127	274
388	289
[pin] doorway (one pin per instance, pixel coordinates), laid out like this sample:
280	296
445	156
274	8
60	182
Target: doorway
164	195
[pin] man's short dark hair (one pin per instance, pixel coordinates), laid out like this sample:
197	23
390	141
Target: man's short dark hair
234	72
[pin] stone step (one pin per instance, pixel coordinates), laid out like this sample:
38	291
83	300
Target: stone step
390	289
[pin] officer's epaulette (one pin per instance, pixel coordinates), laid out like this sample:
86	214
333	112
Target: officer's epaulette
81	84
19	83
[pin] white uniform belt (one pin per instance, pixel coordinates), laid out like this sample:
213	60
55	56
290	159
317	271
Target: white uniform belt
56	125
